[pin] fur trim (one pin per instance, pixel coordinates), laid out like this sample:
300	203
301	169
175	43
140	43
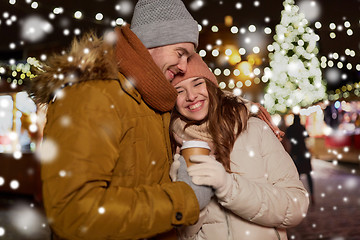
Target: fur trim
89	58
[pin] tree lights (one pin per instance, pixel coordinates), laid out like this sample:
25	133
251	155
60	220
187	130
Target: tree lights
296	78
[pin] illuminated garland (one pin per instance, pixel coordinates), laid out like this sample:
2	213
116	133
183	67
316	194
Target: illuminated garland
17	74
345	92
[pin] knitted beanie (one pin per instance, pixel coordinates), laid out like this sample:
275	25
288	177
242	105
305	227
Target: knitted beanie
163	22
196	67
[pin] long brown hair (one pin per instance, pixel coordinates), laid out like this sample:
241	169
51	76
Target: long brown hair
227	118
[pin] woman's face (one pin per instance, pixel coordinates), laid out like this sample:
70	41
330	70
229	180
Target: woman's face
193	98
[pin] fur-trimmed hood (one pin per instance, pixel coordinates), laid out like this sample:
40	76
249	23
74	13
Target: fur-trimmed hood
89	58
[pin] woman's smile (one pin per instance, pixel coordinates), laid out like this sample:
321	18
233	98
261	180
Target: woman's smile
197	106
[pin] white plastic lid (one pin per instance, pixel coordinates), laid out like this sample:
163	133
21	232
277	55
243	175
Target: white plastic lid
195	143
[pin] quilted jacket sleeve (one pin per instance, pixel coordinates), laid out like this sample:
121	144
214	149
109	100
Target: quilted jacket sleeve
277	198
80	199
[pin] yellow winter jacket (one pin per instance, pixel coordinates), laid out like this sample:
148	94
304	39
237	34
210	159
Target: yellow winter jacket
110	177
106	154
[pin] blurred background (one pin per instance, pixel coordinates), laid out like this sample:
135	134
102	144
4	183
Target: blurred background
294	57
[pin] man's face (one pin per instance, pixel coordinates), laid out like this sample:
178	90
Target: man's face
172	59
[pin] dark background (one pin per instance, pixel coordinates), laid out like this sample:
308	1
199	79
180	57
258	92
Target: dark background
332	11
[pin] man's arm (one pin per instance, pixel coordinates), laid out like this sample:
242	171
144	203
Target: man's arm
81	199
259	111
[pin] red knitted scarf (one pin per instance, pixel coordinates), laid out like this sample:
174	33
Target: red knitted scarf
135	62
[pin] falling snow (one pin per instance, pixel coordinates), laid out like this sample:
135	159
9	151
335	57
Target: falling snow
241	65
35	28
48	151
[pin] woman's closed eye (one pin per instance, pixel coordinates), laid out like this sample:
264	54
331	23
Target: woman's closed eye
198	84
179	90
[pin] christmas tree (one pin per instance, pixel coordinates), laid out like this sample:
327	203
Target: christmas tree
295	78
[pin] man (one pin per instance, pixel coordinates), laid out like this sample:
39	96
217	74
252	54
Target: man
296	135
107	176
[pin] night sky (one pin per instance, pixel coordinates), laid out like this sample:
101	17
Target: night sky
61	26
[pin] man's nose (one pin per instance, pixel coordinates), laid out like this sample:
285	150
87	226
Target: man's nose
182	66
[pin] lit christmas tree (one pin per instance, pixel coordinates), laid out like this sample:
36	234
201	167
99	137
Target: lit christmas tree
295	76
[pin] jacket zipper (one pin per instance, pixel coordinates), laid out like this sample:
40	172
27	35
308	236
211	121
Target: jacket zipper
277	233
229	237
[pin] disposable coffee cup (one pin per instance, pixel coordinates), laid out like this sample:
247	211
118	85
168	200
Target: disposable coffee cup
194	147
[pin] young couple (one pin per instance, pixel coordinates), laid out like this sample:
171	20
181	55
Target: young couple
108	116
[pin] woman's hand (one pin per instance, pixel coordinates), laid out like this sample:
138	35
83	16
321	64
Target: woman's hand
208	171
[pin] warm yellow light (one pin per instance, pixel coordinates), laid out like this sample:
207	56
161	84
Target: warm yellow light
228	21
245	68
234	58
254	59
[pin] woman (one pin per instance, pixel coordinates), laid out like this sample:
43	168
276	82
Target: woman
257	188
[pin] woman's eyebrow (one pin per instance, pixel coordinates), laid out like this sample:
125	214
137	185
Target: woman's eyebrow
196	79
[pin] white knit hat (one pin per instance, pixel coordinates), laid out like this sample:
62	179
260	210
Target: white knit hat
163	22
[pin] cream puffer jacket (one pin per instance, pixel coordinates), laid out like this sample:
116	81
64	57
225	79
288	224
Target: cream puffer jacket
265	196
